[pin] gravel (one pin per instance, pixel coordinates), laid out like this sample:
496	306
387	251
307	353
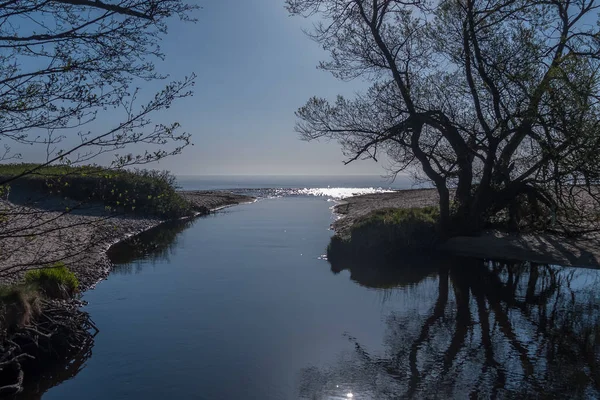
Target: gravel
541	248
353	208
206	201
31	237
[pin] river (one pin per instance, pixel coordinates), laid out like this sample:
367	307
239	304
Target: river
242	305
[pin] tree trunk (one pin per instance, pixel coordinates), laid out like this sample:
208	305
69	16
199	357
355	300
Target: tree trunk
445	219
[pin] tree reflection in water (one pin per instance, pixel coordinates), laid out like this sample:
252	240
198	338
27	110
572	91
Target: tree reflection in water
157	244
492	329
57	372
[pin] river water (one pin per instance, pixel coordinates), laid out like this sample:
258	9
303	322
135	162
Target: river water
242	305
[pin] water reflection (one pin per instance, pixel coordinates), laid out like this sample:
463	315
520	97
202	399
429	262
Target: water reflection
492	330
157	244
61	370
386	273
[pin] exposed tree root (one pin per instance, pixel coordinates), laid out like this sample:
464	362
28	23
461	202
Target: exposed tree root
59	329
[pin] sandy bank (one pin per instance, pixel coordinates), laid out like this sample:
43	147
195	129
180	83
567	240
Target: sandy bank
541	248
355	207
205	201
34	235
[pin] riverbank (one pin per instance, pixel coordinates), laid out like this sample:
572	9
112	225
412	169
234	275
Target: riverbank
79	237
536	247
41	323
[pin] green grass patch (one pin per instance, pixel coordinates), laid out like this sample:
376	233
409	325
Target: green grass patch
389	232
142	192
399	216
21	303
55	281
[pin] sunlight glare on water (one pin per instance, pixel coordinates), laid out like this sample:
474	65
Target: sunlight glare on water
341	192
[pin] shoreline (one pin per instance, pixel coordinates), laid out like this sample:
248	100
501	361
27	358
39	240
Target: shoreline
82	240
542	248
54	328
206	198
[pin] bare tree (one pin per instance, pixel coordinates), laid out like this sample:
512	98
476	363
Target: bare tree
64	61
495	101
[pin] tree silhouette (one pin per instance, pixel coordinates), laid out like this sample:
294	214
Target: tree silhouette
494	102
63	64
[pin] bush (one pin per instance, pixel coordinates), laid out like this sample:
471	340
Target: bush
142	192
18	306
55	281
389	232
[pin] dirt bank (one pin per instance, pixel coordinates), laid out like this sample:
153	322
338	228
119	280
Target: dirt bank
205	201
34	236
353	208
541	248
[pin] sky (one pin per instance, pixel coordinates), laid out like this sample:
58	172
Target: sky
255	67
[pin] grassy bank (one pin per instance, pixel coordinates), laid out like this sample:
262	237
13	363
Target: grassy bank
387	233
140	192
20	304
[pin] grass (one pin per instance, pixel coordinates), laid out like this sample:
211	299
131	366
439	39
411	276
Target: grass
389	232
399	216
21	303
141	192
55	281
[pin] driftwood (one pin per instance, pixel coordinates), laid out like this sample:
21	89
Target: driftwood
57	330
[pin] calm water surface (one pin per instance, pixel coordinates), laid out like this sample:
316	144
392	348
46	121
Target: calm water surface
240	305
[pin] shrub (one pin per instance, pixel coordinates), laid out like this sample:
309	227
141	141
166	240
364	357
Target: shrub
388	232
18	306
142	192
55	281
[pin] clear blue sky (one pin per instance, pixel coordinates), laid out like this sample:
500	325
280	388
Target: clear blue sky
255	67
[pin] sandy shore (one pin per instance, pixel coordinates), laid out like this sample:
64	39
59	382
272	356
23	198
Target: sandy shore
205	201
540	248
353	208
38	235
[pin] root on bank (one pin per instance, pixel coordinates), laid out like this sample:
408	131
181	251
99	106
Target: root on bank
36	331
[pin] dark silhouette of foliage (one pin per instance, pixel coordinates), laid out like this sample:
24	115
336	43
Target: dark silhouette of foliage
63	62
388	233
494	102
139	192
